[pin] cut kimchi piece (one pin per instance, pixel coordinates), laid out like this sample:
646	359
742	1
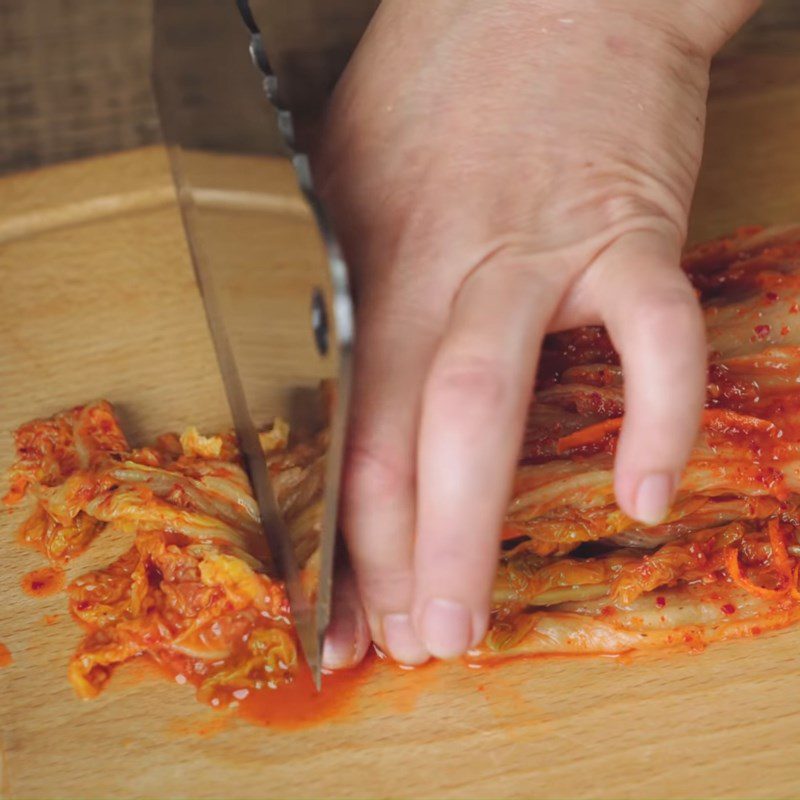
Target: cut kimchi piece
194	592
50	450
199	612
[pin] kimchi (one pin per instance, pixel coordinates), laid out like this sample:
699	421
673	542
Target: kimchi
195	591
576	574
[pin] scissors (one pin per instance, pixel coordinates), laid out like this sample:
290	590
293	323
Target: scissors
267	263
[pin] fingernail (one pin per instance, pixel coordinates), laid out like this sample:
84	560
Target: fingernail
401	640
339	649
446	628
653	498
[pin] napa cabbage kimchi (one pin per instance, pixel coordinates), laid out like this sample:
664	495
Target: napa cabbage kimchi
576	574
195	589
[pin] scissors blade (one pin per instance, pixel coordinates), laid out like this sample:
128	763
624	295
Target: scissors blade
253	242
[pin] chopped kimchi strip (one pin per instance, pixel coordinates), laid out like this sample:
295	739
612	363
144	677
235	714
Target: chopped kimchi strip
194	591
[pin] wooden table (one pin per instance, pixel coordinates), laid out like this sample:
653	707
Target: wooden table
99	300
74	76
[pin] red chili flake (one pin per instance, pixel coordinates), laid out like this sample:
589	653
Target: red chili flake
785	330
43	582
661	601
771	297
729	608
82	605
756	631
769	477
762	331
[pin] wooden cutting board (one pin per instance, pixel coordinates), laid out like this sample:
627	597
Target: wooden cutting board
98	299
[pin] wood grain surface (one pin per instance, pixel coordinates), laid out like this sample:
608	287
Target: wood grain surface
99	300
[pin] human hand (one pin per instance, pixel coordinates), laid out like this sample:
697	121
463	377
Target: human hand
497	171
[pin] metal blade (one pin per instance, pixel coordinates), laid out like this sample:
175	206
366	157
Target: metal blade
258	241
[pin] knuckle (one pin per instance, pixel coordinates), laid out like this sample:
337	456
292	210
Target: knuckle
467	384
645	202
383	570
458	571
669	314
453	559
384	584
375	472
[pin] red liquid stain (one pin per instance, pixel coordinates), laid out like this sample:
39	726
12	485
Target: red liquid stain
507	698
299	705
497	661
410	683
504	701
205	725
5	656
43	582
289	706
296	705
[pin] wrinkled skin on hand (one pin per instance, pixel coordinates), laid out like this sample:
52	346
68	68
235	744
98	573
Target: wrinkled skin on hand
497	171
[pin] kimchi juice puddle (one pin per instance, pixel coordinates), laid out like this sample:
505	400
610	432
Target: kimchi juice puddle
289	705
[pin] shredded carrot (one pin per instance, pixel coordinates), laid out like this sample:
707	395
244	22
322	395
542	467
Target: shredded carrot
721	419
16	492
718	419
793	586
590	435
735	573
780	555
781	559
